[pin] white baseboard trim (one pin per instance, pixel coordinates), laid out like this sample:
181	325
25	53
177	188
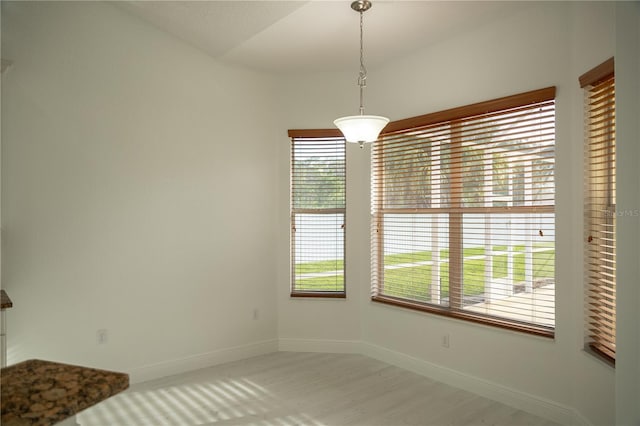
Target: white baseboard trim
530	403
317	345
195	362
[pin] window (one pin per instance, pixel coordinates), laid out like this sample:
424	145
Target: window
317	214
463	220
600	209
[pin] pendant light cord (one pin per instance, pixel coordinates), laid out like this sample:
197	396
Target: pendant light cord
362	77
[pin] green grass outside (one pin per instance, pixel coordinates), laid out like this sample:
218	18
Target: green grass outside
416	256
329	283
321	266
416	280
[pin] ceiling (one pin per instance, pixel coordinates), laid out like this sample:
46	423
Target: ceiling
320	35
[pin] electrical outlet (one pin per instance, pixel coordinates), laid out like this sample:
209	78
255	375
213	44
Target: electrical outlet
445	341
102	336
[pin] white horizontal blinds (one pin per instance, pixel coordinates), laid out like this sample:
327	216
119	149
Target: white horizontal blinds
463	213
407	225
600	213
317	215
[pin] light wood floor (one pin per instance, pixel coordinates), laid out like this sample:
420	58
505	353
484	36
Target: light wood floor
295	388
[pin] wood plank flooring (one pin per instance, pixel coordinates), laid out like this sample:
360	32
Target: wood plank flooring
299	388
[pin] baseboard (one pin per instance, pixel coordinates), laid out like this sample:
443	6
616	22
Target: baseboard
195	362
319	345
530	403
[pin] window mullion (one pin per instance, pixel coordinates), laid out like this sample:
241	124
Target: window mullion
455	219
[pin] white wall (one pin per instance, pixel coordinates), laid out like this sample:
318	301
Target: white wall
335	322
593	41
628	204
547	44
138	178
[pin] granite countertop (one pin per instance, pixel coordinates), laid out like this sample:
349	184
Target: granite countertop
6	303
42	393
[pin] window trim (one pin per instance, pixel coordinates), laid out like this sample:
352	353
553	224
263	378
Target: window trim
315	134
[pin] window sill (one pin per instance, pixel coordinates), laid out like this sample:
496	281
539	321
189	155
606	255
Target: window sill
468	317
319	294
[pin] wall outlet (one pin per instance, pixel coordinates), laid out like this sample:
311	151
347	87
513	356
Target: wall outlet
444	340
102	336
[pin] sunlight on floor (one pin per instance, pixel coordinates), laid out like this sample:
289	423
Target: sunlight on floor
303	389
213	402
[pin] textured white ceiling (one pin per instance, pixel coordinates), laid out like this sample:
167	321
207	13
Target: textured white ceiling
321	35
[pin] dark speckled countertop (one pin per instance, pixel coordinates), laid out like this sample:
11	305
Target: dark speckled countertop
5	302
42	393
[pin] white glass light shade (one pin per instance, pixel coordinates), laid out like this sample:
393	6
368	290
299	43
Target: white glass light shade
361	128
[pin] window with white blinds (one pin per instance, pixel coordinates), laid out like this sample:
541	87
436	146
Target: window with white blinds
317	215
600	209
463	220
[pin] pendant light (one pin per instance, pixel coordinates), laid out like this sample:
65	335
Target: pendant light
361	128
